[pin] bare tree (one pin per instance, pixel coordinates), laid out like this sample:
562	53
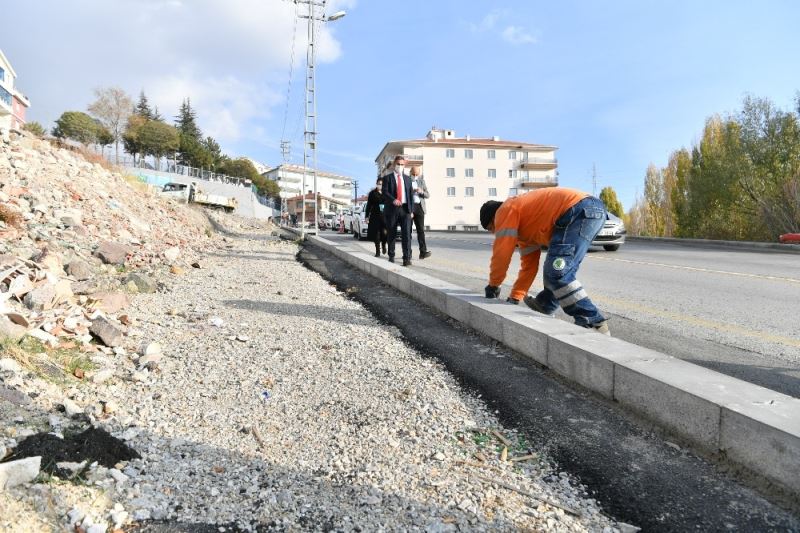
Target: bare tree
112	107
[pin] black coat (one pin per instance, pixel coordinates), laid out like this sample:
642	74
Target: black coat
373	212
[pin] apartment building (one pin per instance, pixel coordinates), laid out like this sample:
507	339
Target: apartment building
290	179
464	172
13	104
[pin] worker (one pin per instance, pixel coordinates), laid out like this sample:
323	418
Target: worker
565	221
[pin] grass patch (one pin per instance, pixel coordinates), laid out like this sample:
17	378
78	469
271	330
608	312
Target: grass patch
53	364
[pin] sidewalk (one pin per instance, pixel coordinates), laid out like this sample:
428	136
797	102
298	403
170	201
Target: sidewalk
280	403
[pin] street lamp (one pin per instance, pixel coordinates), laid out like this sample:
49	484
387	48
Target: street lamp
310	133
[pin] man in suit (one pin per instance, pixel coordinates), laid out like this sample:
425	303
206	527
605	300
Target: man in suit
399	199
420	190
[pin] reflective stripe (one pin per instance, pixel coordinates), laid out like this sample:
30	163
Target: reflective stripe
566	289
508	232
573	298
528	250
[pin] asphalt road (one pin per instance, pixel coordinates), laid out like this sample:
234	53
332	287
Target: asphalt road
732	310
636	476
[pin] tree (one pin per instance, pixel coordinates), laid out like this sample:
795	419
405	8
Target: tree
130	138
214	149
77	126
654	202
143	107
103	137
191	152
609	197
240	168
676	180
35	128
186	121
112	106
158	139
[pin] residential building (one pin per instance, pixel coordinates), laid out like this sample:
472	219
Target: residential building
464	172
326	204
13	104
290	179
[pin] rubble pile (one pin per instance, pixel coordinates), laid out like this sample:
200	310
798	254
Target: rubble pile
75	239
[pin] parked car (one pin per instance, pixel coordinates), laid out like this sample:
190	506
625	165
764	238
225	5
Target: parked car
346	216
612	235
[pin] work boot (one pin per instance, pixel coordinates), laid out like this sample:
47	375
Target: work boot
531	302
602	327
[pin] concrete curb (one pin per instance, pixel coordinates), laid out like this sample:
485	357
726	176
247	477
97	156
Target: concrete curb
749	425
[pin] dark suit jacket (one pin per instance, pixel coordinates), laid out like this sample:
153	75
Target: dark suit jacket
390	194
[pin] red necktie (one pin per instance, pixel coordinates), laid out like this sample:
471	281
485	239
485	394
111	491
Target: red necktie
400	188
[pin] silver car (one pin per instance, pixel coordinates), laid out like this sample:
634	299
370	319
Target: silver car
612	235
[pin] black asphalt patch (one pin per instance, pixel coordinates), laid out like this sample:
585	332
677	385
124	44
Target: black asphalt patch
637	477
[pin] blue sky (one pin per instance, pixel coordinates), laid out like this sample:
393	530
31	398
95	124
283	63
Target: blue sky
618	84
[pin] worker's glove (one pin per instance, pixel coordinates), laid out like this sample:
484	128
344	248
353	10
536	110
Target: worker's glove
491	291
512	300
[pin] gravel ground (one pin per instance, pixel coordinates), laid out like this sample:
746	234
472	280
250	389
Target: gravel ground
280	404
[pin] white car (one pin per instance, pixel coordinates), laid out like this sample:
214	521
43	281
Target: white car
612	235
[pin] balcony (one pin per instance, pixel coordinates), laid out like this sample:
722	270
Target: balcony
290	179
412	157
538	163
341	195
538	183
347	186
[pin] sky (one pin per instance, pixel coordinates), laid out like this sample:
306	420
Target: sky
616	85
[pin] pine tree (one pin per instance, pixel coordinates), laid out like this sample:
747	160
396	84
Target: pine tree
143	107
186	122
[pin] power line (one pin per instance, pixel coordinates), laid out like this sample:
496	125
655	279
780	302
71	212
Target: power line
291	76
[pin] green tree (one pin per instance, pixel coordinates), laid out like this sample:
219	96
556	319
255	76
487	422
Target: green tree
158	139
654	202
103	137
676	178
609	197
130	137
143	108
186	121
214	149
35	128
191	152
77	126
112	107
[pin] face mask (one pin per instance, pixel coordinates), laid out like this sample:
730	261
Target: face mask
399	168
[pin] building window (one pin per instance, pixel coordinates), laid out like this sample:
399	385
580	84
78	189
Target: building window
492	191
451	173
450	153
470	228
469	191
512	154
458	207
2	74
468	153
492	173
451	191
469	173
512	191
451	228
5	96
512	174
490	154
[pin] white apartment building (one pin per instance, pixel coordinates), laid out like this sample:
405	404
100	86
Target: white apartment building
464	172
13	104
290	179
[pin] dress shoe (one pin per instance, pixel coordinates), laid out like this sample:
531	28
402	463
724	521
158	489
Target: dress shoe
391	259
377	254
406	262
423	255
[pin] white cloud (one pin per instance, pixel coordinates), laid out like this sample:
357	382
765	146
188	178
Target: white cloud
511	34
231	58
517	35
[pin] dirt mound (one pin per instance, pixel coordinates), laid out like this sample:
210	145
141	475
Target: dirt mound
92	444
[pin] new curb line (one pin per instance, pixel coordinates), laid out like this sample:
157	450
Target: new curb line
749	425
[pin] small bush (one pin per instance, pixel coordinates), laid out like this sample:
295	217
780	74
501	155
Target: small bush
10	216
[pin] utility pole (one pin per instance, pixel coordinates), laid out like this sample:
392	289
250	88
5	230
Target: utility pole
310	134
286	150
355	187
